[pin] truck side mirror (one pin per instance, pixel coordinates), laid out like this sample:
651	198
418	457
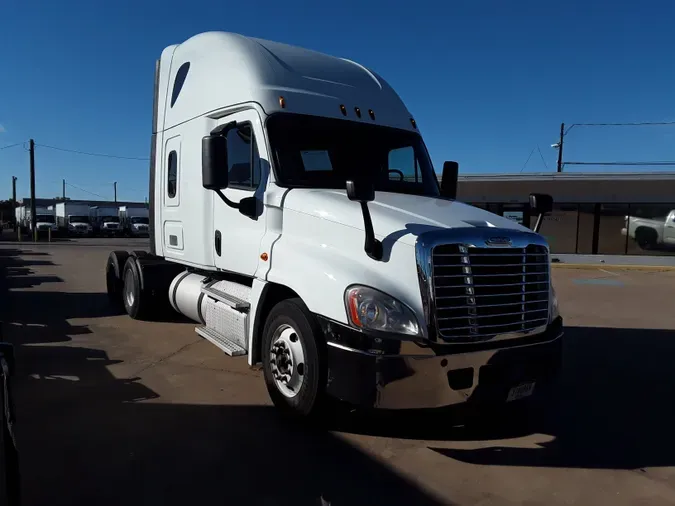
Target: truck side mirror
364	192
540	204
449	180
214	163
360	191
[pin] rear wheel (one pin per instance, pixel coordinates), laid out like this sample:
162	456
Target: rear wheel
294	361
138	303
113	275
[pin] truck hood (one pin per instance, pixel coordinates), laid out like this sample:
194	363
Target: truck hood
393	213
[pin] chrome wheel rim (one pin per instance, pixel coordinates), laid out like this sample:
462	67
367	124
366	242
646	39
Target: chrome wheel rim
129	288
287	360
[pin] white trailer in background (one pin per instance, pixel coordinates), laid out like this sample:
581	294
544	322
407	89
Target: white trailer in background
105	220
72	218
134	221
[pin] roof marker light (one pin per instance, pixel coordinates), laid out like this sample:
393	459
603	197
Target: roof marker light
343	109
412	122
357	111
371	113
282	102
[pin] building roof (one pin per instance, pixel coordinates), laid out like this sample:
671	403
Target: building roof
572	176
570	187
42	202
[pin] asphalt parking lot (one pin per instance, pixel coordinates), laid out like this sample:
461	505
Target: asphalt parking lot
116	411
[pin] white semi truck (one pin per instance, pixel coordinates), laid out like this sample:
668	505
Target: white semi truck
134	221
72	218
296	217
105	221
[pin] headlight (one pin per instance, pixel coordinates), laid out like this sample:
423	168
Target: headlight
370	309
554	310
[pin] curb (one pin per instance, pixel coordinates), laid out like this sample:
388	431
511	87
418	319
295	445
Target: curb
610	267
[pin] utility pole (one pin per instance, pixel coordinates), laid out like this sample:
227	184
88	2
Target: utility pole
33	218
560	147
16	222
115	186
64	189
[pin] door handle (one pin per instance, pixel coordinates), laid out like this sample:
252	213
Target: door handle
217	242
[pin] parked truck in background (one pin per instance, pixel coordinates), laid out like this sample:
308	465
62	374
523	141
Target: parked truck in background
105	221
295	215
651	233
134	221
45	219
72	218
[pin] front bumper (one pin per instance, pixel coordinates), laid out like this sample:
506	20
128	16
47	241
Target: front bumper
393	374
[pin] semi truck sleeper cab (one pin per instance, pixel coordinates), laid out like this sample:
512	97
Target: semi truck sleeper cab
295	215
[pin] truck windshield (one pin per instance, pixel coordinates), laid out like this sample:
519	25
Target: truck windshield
316	152
44	218
79	219
110	219
139	219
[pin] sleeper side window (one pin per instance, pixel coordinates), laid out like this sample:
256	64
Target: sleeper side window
172	175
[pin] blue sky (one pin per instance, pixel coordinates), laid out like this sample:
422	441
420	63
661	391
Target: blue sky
487	80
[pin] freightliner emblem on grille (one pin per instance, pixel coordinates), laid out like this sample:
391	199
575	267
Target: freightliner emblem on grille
498	241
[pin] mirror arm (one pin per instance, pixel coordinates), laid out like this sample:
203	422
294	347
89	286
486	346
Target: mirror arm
537	225
372	246
233	205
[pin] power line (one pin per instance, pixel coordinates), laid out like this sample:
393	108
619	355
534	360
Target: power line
528	159
644	164
542	157
93	154
13	145
86	191
639	123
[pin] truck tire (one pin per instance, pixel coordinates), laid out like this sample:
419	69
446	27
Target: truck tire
138	303
113	275
646	237
294	360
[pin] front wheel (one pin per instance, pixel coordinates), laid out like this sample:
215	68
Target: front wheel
294	361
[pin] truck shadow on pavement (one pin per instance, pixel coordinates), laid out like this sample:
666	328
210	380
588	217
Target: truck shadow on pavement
87	437
613	408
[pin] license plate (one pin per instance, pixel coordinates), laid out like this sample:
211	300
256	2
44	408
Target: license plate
521	391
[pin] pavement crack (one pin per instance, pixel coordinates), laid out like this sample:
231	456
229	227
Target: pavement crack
167	357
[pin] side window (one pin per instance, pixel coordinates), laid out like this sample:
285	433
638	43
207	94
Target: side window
242	158
403	165
172	175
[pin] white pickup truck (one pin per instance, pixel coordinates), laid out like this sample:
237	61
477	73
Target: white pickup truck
649	233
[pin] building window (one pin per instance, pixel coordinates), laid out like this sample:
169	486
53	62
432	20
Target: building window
172	175
178	82
559	228
242	158
611	236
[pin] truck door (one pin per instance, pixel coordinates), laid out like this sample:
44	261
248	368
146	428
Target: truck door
236	238
669	229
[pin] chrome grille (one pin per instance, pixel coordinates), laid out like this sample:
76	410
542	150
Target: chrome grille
481	292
